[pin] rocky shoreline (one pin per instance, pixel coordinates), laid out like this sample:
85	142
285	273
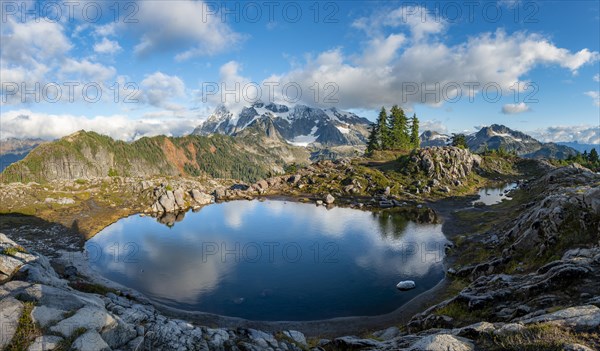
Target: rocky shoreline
66	318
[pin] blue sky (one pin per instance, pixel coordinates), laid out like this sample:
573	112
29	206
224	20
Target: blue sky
361	55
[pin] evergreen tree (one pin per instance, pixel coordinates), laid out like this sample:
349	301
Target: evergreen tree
415	142
459	140
373	143
593	156
383	130
398	128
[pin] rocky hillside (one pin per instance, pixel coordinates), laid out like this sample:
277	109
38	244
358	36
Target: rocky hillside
85	155
299	125
517	270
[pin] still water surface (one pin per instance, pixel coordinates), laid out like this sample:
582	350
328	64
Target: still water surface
273	260
495	195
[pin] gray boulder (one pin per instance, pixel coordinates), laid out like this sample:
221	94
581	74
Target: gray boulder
89	318
406	285
580	318
219	194
178	194
443	342
297	336
10	312
352	342
201	198
45	342
167	202
329	199
90	341
45	316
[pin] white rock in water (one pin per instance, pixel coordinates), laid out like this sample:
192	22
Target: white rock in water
406	285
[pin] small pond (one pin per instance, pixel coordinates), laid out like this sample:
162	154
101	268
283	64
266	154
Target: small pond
273	260
494	195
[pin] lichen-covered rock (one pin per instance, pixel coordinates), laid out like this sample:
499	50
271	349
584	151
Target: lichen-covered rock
443	342
88	318
580	318
10	312
90	341
167	201
444	163
178	195
45	316
200	197
45	343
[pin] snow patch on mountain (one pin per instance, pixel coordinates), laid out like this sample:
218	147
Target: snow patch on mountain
305	140
300	125
344	130
505	135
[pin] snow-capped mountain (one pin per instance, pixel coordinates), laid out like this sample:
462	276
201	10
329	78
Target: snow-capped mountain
433	138
299	125
498	136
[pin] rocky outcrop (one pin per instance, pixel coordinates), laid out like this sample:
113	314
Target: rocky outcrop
519	295
444	163
12	257
168	201
525	277
584	318
568	200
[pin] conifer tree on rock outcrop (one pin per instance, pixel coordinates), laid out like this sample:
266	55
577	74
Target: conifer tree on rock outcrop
415	142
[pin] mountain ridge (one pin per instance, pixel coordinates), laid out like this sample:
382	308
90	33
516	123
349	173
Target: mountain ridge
497	136
299	125
84	155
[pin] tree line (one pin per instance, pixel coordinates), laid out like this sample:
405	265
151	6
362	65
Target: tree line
590	160
394	131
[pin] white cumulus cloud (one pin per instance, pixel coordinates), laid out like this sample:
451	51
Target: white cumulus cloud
158	88
584	134
595	95
390	71
188	28
434	125
107	46
27	124
511	109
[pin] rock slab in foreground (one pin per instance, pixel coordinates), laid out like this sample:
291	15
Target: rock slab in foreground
10	312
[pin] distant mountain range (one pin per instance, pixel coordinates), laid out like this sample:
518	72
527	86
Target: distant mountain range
498	136
259	140
13	150
432	138
299	125
580	147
